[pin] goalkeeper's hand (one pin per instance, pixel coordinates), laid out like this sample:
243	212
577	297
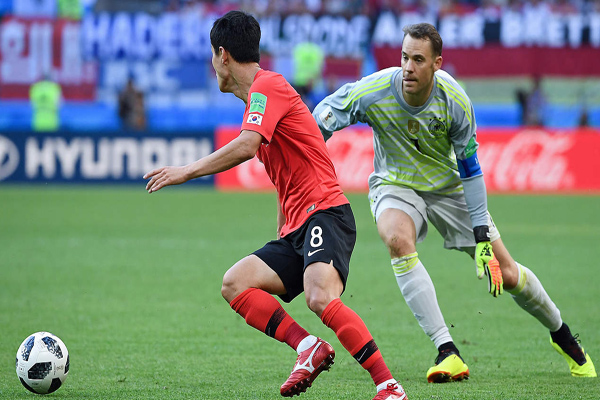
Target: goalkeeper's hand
485	262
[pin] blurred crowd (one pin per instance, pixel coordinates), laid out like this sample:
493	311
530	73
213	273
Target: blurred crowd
374	7
312	69
347	8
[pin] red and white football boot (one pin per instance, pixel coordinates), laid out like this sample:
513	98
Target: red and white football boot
310	363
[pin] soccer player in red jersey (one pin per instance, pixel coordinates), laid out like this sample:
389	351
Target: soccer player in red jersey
315	225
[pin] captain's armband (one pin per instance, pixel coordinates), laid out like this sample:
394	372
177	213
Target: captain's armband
469	167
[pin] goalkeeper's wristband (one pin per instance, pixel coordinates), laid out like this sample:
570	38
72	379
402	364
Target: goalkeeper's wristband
482	233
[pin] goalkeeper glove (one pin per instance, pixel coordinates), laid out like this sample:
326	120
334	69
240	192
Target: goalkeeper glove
485	261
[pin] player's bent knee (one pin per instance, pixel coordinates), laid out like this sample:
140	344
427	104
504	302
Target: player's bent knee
317	301
398	244
232	286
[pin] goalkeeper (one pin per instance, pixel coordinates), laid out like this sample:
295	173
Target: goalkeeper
426	169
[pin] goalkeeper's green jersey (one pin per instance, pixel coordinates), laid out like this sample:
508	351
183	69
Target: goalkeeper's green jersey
415	147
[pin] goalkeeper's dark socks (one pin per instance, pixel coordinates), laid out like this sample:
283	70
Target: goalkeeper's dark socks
448	347
569	343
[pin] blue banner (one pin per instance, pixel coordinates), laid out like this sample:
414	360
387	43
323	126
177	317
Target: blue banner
97	158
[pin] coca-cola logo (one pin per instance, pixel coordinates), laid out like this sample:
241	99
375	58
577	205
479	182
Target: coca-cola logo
531	160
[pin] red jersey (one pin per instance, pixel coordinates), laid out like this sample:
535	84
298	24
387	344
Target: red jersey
293	150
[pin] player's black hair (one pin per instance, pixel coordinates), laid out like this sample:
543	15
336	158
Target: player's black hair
239	34
425	31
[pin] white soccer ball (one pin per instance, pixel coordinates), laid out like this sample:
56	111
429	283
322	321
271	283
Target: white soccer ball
42	362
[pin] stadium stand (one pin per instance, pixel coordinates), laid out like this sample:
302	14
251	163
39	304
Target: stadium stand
163	44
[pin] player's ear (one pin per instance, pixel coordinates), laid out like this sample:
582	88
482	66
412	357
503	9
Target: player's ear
224	55
437	64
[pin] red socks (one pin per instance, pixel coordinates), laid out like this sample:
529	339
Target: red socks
263	312
356	338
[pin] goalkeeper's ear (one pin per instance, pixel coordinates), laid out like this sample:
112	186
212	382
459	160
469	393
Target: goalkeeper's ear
437	63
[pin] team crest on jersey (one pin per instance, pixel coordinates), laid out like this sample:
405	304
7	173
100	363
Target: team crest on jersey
437	127
413	126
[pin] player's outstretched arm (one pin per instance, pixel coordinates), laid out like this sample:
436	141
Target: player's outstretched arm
237	151
166	176
476	199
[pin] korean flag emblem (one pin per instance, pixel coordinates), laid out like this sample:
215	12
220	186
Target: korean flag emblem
254	119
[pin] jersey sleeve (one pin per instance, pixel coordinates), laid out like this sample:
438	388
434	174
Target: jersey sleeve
340	109
463	126
463	134
268	103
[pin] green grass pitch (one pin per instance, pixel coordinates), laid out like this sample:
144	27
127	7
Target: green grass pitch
131	283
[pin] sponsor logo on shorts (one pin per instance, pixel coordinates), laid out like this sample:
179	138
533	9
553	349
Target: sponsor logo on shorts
310	253
254	119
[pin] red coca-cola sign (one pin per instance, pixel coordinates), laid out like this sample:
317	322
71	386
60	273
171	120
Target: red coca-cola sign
513	160
539	160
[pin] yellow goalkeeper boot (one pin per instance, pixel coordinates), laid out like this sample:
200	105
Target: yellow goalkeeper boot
449	366
569	347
